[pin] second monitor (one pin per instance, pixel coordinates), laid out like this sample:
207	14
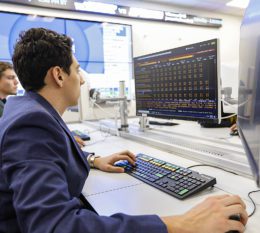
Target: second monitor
180	83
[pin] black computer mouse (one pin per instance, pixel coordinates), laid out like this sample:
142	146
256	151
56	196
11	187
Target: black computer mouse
234	132
237	218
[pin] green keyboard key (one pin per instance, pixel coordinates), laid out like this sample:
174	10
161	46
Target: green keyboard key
183	191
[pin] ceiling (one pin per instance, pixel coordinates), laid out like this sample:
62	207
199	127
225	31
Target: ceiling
216	6
209	5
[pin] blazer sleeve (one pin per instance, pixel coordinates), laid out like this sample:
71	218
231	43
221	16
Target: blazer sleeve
34	164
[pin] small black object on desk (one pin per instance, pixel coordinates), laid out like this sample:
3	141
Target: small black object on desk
234	132
166	123
237	218
80	134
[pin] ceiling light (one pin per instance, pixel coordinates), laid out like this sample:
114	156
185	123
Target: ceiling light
238	3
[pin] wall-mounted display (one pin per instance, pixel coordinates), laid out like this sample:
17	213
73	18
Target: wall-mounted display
104	50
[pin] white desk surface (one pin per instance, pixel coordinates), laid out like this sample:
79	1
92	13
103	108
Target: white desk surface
112	193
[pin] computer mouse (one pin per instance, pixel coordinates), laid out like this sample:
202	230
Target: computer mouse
237	218
234	132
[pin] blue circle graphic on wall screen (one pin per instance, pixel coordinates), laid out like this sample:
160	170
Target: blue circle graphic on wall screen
88	44
23	23
87	37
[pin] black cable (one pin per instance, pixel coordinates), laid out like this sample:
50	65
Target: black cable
255	191
252	202
208	165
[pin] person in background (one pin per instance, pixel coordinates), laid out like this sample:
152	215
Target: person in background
8	83
43	170
8	86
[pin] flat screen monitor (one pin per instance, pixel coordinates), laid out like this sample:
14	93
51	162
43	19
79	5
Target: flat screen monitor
104	50
180	83
249	86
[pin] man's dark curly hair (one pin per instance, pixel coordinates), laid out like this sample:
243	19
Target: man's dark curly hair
36	51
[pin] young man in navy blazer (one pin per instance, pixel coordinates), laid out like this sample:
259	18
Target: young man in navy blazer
43	170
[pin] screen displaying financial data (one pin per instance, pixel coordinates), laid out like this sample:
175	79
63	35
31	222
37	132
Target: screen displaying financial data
179	83
104	50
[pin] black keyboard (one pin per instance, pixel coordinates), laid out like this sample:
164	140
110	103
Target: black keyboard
177	181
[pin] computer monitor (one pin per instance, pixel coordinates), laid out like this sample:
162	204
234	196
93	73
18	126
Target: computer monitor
249	86
180	83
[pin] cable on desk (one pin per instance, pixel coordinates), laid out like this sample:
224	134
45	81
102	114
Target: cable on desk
255	191
251	199
208	165
250	215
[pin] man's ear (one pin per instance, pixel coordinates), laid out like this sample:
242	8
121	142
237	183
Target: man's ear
57	75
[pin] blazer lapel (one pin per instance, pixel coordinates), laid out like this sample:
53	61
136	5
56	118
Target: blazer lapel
58	118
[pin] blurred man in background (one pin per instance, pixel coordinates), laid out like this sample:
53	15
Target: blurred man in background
8	86
8	83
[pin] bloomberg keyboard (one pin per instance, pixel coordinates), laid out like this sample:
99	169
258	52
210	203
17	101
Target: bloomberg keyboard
177	181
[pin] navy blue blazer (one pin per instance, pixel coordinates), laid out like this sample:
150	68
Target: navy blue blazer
42	175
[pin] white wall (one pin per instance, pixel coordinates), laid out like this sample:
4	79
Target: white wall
152	36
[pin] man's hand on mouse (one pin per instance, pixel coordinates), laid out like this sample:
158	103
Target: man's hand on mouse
211	215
